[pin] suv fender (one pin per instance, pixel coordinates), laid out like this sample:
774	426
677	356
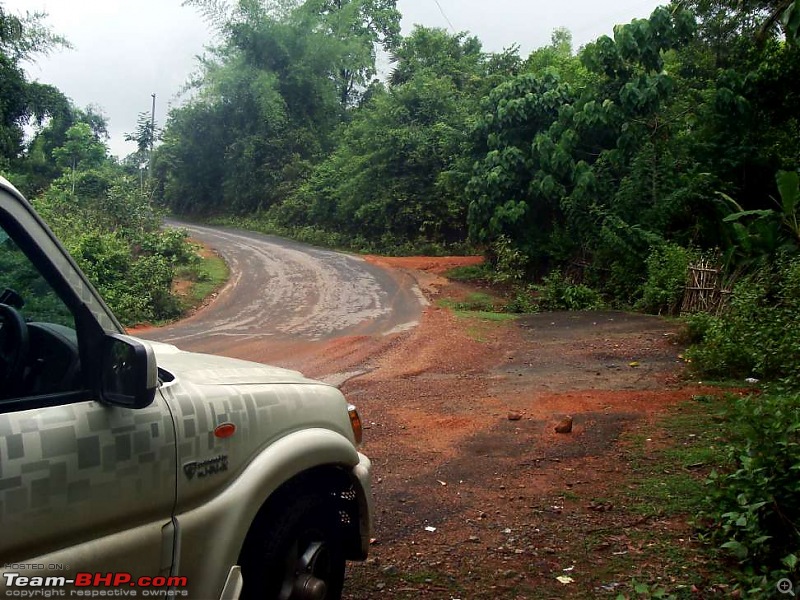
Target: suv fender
231	513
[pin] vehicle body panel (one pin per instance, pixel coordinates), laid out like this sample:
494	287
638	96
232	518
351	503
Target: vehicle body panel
87	486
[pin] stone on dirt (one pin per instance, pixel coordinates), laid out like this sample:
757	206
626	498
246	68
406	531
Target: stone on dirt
565	425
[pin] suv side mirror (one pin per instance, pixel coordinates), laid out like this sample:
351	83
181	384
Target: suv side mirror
129	376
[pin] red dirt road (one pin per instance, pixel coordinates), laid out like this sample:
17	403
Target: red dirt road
470	503
504	496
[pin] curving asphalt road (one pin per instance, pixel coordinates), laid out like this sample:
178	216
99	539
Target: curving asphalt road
285	290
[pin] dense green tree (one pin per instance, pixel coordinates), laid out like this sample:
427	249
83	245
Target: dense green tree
80	150
412	138
23	102
359	28
267	105
557	152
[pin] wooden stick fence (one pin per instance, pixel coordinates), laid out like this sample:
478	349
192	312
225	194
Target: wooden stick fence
704	291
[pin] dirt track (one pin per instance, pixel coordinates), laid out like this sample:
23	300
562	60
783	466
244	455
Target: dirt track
497	490
512	504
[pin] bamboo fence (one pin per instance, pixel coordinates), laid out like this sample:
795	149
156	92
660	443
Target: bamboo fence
704	289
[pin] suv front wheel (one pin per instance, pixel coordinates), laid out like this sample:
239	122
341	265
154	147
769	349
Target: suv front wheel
296	552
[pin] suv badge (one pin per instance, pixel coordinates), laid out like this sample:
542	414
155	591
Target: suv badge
204	468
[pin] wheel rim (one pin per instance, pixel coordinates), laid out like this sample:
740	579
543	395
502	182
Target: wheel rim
308	568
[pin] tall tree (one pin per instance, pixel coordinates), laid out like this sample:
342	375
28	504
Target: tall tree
23	102
274	88
81	150
556	152
359	27
395	173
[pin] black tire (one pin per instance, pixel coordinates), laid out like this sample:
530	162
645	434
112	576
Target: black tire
272	558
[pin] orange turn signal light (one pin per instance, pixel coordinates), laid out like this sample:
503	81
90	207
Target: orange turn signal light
355	423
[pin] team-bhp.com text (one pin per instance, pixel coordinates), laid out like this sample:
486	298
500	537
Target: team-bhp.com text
101	584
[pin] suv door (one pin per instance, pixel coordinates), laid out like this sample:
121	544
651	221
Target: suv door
84	486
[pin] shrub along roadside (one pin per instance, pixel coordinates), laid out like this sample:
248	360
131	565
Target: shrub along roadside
387	244
205	276
753	509
758	335
108	224
754	505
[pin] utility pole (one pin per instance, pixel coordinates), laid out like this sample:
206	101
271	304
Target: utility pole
152	136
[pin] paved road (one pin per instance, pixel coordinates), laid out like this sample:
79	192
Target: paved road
285	290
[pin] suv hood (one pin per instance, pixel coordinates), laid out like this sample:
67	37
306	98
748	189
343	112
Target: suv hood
206	369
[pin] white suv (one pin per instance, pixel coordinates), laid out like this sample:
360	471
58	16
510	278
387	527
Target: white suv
133	465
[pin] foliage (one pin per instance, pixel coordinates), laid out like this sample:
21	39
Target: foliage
696	327
24	37
524	300
592	159
757	335
268	101
110	228
410	138
663	290
318	236
754	509
509	262
558	293
145	137
358	27
107	222
560	149
761	234
80	150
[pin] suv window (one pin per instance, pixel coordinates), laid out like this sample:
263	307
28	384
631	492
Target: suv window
38	343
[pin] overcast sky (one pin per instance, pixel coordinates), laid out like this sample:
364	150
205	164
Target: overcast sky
124	51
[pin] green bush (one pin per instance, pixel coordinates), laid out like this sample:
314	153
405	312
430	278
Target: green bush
104	257
758	335
755	507
524	300
509	262
170	243
666	279
696	327
134	276
558	293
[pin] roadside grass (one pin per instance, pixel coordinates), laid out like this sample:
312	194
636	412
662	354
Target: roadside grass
474	302
669	480
199	281
470	273
337	240
669	463
481	313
